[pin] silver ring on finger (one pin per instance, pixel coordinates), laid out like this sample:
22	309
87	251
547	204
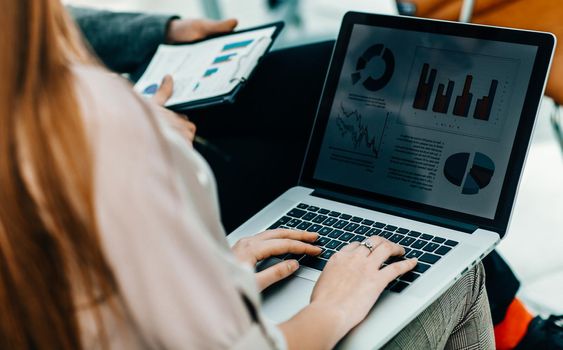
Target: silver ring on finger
368	244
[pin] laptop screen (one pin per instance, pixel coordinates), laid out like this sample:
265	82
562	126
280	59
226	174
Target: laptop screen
426	117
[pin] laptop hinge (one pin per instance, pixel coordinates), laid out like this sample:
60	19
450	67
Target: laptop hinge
394	210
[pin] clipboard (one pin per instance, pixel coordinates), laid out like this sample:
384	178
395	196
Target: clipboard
220	67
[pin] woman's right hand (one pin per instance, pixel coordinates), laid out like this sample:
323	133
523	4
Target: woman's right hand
353	280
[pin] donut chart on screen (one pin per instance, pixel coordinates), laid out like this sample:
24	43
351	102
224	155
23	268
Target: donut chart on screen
378	51
471	179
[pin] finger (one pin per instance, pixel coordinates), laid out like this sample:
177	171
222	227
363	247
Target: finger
384	251
193	130
290	234
375	242
164	91
273	247
391	272
219	27
276	273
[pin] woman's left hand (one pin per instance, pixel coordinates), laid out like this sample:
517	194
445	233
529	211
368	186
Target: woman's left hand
251	250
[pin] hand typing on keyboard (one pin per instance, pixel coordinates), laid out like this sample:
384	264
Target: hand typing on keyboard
276	242
353	279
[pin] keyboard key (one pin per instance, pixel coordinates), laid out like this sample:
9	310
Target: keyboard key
341	246
314	228
280	222
407	250
340	224
409	276
294	256
309	216
319	219
334	214
394	259
314	262
430	247
439	240
399	287
327	254
414	254
346	236
351	227
373	232
356	219
335	233
386	234
321	241
303	226
390	228
451	243
357	238
333	244
325	231
302	206
426	237
293	222
396	238
311	208
275	226
379	225
296	213
345	216
330	221
324	211
414	234
362	230
418	244
367	222
402	230
407	241
442	250
429	258
421	267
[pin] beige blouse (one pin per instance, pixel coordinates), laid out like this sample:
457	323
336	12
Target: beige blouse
156	201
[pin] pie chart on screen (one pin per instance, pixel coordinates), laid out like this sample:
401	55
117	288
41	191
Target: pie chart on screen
470	177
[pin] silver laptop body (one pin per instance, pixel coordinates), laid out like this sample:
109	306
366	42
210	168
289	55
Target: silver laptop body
453	99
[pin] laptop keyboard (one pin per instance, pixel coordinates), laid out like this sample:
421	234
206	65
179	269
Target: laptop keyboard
336	230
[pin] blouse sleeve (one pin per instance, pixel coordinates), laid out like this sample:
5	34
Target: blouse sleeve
156	212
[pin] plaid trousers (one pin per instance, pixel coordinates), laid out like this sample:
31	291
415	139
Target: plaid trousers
459	319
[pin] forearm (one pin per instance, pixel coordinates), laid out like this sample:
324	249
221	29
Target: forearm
123	41
315	327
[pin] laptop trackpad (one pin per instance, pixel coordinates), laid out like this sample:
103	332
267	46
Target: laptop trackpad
283	300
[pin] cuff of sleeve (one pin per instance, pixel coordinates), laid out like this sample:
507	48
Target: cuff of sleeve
254	338
156	28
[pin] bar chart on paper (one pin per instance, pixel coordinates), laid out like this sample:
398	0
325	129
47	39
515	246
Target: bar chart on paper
459	92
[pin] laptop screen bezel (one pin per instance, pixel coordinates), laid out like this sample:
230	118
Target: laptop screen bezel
545	43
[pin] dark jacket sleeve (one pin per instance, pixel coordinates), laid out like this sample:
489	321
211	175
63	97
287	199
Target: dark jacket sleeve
123	41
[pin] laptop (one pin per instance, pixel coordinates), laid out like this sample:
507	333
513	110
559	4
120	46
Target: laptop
420	137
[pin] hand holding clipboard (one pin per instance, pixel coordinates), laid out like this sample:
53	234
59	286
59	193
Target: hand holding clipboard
211	71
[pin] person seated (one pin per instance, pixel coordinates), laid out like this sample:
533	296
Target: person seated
251	139
110	234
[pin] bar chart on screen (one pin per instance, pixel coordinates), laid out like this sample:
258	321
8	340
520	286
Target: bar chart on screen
459	92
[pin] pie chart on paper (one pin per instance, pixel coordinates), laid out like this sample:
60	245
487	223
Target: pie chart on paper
470	177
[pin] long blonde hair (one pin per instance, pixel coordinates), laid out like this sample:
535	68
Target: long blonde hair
50	250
